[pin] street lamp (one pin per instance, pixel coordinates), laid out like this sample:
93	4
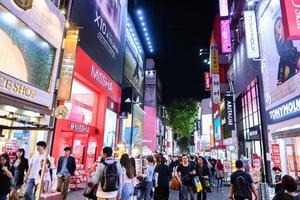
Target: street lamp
204	52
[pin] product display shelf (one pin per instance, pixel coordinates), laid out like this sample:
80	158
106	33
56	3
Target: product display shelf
78	181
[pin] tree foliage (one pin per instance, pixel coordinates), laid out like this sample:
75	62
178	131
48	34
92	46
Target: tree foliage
181	116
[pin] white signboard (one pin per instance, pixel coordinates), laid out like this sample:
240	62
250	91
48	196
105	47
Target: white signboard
251	34
223	6
216	88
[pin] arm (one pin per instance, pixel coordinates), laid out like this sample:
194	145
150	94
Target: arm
29	170
120	181
96	176
177	174
230	192
7	172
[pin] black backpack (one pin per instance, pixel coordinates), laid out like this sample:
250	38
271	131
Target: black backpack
242	188
110	179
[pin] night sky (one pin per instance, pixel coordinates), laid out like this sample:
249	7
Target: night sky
179	29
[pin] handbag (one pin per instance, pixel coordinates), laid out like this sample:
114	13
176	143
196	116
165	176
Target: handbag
174	185
90	191
198	184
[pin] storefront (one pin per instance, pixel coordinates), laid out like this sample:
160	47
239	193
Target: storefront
28	70
92	117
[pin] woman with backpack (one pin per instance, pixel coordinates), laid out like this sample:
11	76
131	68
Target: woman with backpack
127	177
18	168
5	176
289	184
219	174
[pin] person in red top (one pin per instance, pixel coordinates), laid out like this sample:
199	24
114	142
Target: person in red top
219	174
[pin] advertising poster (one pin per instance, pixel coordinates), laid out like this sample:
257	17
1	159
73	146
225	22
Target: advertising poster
110	129
217	128
26	55
280	57
134	65
138	124
102	35
150	95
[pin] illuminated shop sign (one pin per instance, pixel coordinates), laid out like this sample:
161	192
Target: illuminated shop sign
16	88
229	113
284	111
206	81
251	34
291	18
223	6
100	78
225	36
214	60
216	93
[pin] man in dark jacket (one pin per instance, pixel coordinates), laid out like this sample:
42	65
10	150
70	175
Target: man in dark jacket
65	169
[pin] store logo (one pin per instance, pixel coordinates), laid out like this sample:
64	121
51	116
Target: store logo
229	113
24	4
251	34
285	111
79	127
101	78
291	18
17	88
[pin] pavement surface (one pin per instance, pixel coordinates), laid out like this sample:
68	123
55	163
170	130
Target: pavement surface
215	195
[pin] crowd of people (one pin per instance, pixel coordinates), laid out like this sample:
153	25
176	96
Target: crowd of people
118	179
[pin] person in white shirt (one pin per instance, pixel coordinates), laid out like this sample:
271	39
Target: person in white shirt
34	168
127	177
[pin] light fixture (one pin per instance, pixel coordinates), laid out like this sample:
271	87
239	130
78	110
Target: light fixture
141	18
144	29
139	12
250	3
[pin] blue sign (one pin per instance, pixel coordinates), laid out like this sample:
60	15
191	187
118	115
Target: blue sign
287	110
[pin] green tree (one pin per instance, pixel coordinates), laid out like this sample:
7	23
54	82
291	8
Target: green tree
182	113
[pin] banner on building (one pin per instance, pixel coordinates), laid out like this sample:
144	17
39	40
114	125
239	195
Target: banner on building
214	60
206	81
216	93
229	113
251	34
225	36
291	18
68	63
276	155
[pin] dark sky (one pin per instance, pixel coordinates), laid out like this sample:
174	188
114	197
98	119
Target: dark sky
179	29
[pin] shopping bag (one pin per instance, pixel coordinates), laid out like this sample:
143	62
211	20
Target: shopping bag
198	184
90	191
174	185
51	196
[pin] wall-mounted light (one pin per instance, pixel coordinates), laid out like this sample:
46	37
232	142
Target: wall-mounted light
143	25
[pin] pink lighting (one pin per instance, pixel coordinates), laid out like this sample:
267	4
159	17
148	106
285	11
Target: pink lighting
225	36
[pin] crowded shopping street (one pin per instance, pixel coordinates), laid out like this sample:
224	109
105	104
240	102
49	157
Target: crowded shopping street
149	100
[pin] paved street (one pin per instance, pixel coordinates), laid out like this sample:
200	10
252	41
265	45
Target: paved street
215	195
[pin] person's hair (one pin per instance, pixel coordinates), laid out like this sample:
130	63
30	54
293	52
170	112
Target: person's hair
219	165
239	164
67	148
133	165
42	144
184	155
47	162
150	159
6	157
204	161
192	157
276	168
22	158
108	151
289	183
126	163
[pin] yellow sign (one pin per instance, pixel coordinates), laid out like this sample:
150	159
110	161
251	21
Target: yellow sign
68	63
16	87
214	60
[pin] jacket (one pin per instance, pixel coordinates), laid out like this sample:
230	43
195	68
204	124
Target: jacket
18	172
71	165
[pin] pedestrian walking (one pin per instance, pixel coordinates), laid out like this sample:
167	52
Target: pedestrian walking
65	169
277	178
34	168
289	184
219	174
18	169
212	177
5	176
127	177
163	177
108	176
241	184
202	171
185	173
148	177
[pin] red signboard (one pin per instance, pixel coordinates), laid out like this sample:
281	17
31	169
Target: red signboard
291	18
276	155
206	81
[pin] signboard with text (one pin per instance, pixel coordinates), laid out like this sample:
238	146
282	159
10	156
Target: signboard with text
223	7
291	18
216	93
276	155
225	36
206	81
251	34
214	60
229	113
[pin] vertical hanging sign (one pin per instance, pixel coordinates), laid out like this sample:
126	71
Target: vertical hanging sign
216	88
214	60
225	36
223	7
229	112
251	34
68	63
206	81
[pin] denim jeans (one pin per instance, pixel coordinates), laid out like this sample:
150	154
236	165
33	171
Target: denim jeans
149	188
127	192
29	189
3	197
220	183
186	191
